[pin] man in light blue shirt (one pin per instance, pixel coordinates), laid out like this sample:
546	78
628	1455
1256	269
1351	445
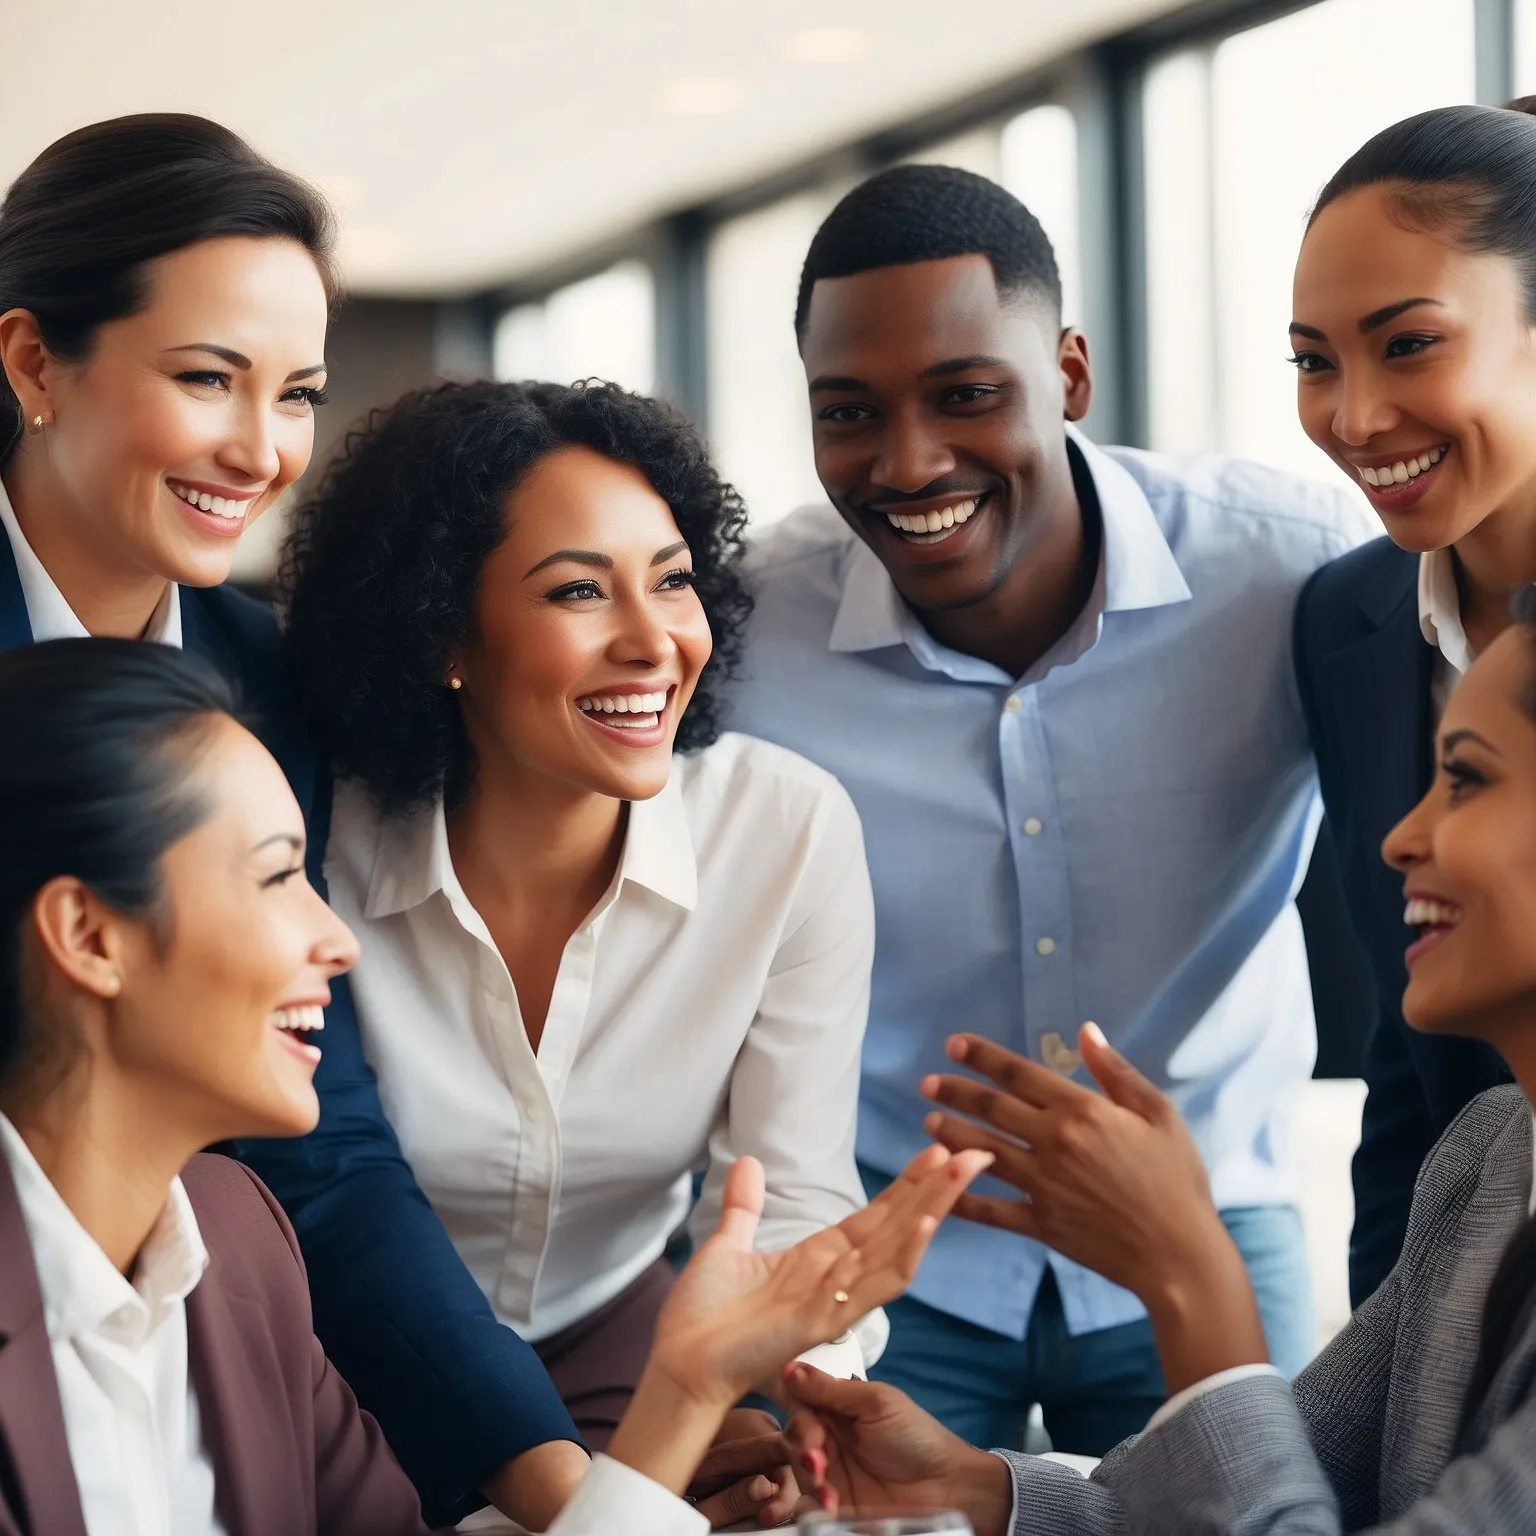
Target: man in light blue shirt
1057	681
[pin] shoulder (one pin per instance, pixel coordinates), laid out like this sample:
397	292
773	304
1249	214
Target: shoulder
810	540
250	1243
754	777
1489	1139
1248	501
248	629
1343	583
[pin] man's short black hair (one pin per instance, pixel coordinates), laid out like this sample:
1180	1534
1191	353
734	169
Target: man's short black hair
929	213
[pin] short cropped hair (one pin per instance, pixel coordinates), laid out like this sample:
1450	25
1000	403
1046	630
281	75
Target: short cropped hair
929	213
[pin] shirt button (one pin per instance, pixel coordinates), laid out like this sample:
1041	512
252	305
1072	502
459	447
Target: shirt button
1045	946
1033	827
1013	706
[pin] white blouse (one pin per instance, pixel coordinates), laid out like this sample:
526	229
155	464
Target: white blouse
712	1005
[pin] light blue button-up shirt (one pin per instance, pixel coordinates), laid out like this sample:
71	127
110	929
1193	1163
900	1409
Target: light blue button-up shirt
1117	835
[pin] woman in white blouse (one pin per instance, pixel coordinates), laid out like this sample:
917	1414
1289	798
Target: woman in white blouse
603	945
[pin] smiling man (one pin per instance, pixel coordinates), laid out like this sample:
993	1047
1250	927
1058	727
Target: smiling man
1057	681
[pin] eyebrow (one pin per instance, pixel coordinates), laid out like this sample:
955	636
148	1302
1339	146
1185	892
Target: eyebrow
843	383
1372	322
242	362
1453	739
600	562
294	842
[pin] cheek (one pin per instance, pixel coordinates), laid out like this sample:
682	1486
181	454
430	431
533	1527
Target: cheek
1315	409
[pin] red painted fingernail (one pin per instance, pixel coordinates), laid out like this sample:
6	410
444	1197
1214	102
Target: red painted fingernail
816	1464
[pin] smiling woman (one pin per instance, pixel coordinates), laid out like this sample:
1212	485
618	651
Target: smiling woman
606	943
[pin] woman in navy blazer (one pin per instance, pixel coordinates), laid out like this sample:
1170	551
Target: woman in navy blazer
164	295
1415	337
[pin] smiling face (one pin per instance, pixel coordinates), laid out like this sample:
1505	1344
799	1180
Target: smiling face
1417	368
937	412
217	990
589	637
187	419
1468	857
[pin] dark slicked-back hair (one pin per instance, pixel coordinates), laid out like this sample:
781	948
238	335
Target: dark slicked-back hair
929	213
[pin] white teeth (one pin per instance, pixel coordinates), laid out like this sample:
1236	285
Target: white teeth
218	505
933	522
1404	470
1421	913
300	1020
623	704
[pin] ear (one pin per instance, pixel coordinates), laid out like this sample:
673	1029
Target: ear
29	366
80	936
1076	375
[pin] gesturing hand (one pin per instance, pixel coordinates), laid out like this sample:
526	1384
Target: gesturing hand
1112	1180
736	1315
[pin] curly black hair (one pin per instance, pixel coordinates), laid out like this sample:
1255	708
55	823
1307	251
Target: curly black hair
380	571
928	213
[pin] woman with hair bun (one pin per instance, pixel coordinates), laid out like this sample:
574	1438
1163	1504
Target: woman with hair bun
606	944
164	296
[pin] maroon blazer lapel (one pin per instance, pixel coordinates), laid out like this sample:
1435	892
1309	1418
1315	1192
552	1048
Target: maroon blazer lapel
230	1351
38	1492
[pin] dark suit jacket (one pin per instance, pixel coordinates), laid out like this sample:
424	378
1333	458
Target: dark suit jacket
292	1453
1364	669
456	1392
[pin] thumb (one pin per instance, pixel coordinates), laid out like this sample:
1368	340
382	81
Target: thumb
741	1203
829	1394
1121	1081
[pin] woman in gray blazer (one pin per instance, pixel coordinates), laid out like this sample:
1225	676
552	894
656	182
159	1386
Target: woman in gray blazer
1420	1417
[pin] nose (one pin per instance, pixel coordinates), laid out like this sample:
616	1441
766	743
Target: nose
1361	411
334	948
641	636
911	454
1407	844
250	450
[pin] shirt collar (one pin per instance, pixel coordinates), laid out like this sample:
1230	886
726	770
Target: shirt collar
81	1287
1440	609
48	611
413	863
1138	570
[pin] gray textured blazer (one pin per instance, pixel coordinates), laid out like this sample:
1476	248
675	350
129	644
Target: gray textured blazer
1364	1440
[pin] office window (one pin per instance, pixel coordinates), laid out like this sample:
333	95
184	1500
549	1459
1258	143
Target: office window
601	327
758	418
1038	164
1525	47
978	150
1239	140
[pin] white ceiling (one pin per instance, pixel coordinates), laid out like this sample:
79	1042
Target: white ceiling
466	141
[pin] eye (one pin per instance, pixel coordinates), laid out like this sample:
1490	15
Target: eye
576	591
1409	346
282	877
679	580
845	415
1309	362
204	378
968	394
311	395
1462	779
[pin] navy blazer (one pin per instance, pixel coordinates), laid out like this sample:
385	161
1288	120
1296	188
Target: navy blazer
1364	672
456	1392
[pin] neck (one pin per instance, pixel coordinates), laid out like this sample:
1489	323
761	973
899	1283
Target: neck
1039	598
110	1156
1492	562
111	597
528	844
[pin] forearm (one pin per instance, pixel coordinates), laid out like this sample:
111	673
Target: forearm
534	1487
667	1429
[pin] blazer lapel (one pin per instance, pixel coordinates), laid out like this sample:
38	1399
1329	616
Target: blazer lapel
15	626
31	1415
250	1443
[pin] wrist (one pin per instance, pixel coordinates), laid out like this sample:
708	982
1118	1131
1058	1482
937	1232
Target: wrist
670	1423
982	1490
1204	1317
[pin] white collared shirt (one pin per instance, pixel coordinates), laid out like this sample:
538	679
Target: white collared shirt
713	1005
1440	624
48	611
120	1357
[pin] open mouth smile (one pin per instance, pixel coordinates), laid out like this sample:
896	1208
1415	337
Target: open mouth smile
301	1019
637	717
1432	920
1403	481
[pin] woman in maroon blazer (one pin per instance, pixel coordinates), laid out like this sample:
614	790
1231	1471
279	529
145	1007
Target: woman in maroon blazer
163	961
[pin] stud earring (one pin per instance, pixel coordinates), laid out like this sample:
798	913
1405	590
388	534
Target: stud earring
455	683
38	422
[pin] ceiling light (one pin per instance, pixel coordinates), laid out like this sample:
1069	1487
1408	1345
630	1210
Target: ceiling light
827	45
701	95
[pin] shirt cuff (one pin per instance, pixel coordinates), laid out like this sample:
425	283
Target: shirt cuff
842	1357
1182	1400
615	1500
1013	1482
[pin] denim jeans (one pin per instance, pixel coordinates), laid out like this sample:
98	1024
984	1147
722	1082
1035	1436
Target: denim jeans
1093	1389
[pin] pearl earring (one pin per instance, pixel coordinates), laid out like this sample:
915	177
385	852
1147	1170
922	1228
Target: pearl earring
38	423
455	683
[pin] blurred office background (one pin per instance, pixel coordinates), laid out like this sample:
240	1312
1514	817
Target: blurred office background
626	188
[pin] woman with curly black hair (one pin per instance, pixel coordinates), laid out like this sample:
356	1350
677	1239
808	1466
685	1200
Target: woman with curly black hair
604	945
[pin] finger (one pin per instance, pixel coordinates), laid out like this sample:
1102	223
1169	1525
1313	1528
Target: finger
993	1211
981	1101
1012	1162
902	1191
1123	1084
1017	1075
741	1203
815	1389
736	1459
782	1505
738	1501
